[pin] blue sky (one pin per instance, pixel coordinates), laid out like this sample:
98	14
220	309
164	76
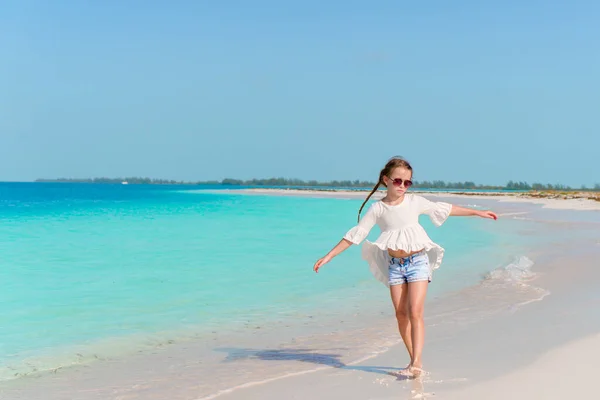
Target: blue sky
193	90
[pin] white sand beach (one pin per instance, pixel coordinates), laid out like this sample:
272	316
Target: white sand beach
568	372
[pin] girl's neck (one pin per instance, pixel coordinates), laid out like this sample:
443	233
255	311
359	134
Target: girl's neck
393	199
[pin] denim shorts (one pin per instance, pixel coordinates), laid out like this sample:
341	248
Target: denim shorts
410	269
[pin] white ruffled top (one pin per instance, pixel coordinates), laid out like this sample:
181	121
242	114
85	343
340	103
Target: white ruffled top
400	230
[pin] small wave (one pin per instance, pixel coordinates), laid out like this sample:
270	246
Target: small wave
516	275
518	271
507	288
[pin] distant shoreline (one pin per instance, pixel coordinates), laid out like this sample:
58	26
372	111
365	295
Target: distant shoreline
548	199
298	184
587	195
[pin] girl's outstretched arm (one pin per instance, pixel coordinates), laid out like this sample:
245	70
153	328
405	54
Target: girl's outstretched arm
354	236
458	211
340	247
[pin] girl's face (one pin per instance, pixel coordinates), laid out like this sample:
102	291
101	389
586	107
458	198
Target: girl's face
398	181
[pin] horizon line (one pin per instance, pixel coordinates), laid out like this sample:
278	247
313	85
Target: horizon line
511	184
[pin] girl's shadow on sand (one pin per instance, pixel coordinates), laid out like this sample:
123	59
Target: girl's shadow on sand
307	356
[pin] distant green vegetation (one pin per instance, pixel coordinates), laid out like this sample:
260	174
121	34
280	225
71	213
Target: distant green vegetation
283	182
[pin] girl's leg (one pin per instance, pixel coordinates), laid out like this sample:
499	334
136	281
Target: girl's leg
416	302
400	301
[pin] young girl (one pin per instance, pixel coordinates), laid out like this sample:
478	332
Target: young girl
403	257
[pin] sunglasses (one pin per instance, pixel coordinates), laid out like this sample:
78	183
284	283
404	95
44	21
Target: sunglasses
398	182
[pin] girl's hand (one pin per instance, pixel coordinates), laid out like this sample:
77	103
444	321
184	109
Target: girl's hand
487	214
321	262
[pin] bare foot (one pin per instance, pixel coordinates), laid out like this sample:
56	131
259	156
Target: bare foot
402	372
416	371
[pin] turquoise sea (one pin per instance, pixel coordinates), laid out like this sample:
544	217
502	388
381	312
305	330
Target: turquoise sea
91	269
